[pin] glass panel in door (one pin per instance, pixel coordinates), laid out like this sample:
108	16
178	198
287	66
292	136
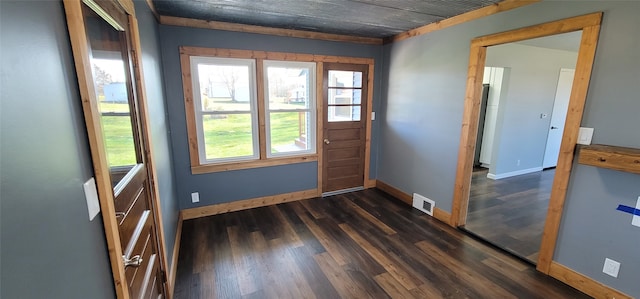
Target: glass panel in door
114	92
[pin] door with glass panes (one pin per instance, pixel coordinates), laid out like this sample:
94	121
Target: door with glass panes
344	125
107	70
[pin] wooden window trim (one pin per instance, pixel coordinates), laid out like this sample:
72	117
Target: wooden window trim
200	168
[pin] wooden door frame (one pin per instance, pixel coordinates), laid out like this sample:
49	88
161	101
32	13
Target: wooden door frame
590	26
368	182
79	45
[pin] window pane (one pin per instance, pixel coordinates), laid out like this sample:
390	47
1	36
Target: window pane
224	87
288	87
228	136
345	96
289	132
118	138
345	79
110	82
343	113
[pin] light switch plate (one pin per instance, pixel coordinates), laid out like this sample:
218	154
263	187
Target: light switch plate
373	115
611	267
585	135
91	194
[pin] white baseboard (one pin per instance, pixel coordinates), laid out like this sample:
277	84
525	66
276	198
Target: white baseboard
513	173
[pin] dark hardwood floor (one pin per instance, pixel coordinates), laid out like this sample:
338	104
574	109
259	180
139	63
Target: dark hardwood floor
364	244
510	212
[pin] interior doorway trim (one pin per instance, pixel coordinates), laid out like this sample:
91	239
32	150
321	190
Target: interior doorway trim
590	26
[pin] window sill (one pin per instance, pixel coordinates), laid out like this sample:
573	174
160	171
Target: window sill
209	168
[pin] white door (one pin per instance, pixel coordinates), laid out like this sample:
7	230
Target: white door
494	76
558	116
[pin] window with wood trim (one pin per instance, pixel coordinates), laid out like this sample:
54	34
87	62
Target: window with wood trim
225	109
290	107
244	112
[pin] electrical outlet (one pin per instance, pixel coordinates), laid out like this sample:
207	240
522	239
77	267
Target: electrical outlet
611	267
195	197
518	163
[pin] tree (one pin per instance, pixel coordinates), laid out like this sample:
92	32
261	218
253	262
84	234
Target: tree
101	79
230	78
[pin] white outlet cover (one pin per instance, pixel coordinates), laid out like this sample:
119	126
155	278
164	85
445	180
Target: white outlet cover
91	194
611	267
585	135
195	197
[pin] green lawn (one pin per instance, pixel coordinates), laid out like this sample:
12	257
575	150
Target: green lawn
225	136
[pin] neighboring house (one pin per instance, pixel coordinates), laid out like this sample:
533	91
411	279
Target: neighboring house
51	250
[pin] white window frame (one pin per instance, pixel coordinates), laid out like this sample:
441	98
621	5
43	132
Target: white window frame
199	113
311	109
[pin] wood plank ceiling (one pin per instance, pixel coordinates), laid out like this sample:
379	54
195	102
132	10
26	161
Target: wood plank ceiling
366	18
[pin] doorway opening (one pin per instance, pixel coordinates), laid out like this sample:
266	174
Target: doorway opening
589	25
526	89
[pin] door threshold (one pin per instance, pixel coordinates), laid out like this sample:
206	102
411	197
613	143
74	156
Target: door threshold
331	193
497	247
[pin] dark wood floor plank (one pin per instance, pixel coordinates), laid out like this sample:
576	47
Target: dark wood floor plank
328	243
318	282
364	244
300	228
245	266
346	287
404	278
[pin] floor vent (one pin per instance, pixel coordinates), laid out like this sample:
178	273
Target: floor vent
423	204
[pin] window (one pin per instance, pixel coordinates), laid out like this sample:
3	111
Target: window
226	118
290	107
246	112
345	96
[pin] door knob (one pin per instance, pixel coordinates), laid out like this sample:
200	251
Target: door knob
553	128
327	141
134	261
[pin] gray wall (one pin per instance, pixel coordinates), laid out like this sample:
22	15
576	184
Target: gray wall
251	183
49	249
160	135
521	134
422	112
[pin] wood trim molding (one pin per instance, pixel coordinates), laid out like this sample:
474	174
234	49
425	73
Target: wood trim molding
247	204
320	122
174	258
286	56
438	213
80	47
146	139
197	23
368	124
589	24
584	284
459	19
152	7
578	97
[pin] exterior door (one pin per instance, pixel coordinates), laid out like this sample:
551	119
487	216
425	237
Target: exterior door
105	64
344	125
558	117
